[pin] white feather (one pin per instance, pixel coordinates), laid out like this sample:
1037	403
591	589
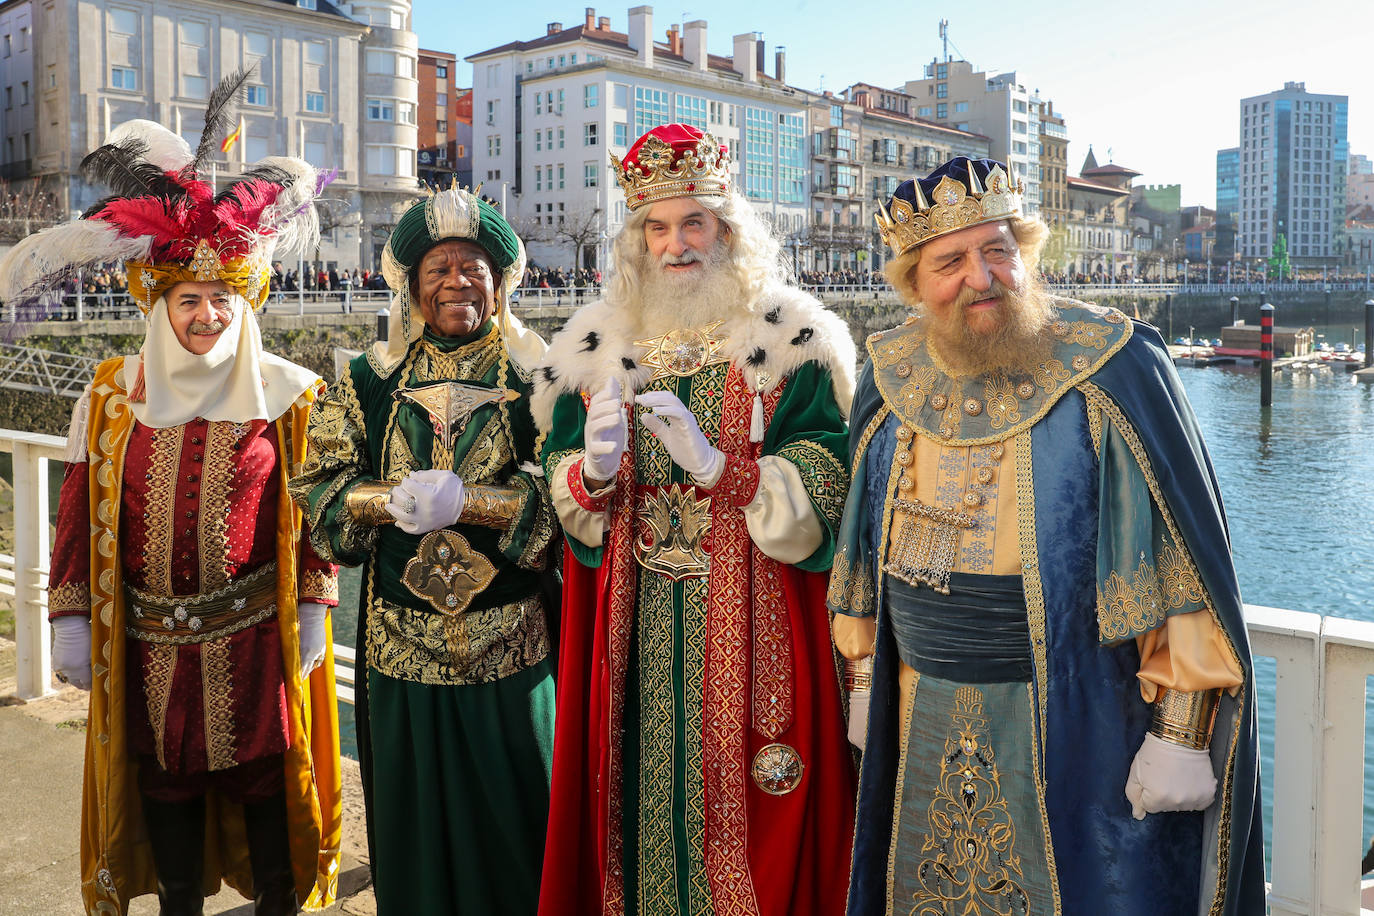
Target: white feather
57	251
166	150
292	215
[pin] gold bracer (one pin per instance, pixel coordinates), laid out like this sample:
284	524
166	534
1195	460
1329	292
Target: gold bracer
366	502
491	507
1185	717
858	673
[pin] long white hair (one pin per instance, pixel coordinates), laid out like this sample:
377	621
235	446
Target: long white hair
754	253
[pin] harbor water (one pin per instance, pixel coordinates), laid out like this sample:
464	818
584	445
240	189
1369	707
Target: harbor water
1298	484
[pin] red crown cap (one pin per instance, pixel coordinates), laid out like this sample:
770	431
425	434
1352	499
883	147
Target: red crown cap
673	160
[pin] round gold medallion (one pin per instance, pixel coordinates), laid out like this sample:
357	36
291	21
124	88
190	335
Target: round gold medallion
1080	362
1025	391
683	351
777	769
939	402
903	369
973	407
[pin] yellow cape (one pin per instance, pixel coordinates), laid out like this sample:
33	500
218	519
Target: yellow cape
116	860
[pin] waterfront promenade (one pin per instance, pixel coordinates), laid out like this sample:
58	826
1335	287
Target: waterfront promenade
40	818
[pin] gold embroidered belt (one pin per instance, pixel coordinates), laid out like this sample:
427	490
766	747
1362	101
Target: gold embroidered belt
185	619
674	531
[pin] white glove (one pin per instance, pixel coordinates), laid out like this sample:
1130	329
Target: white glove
426	501
858	716
677	429
1169	777
605	433
310	616
71	651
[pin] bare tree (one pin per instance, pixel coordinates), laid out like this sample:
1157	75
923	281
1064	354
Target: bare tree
580	232
26	206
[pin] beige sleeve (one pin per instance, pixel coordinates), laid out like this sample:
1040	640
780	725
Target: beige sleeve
1188	653
581	524
781	519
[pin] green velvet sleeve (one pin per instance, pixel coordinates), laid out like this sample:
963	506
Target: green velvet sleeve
336	459
808	430
563	439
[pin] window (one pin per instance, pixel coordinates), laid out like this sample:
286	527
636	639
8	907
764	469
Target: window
560	101
538	141
961	106
792	159
315	152
538	179
405	112
383	62
538	103
123	78
942	71
494	145
941	111
589	134
256	44
758	153
8	45
441	71
589	175
591	95
651	110
380	110
314	102
256	95
622	93
691	110
837	116
391	160
942	90
307	4
441	99
560	176
713	111
195	64
923	111
123	22
560	139
621	129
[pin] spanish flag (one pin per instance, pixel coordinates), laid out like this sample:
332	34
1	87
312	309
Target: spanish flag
233	138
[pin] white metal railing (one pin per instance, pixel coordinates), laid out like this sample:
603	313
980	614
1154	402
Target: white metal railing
45	371
120	306
1319	703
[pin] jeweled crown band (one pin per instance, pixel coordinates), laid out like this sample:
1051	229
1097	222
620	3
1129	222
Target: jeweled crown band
655	170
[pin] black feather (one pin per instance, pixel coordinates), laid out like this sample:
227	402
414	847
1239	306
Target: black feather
123	169
592	340
756	358
219	115
772	316
272	173
628	363
802	337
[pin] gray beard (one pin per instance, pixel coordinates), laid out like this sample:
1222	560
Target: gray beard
668	300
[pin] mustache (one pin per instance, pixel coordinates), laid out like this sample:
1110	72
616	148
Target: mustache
690	256
208	327
998	290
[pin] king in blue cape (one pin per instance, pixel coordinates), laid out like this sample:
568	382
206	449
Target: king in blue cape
1034	595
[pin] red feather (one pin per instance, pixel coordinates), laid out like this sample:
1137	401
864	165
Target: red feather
138	216
239	208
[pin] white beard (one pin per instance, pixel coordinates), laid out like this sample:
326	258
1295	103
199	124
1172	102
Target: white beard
671	300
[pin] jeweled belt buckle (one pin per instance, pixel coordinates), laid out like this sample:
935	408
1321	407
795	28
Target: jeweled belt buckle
672	541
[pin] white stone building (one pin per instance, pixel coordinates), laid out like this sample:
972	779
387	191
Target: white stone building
333	83
547	111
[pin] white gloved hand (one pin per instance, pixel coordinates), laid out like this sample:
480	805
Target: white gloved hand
310	617
858	716
71	651
426	501
1169	777
605	433
677	429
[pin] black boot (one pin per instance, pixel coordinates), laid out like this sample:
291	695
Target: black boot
269	851
176	831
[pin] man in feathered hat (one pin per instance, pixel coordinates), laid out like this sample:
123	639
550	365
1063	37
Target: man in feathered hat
421	468
1034	560
183	592
694	437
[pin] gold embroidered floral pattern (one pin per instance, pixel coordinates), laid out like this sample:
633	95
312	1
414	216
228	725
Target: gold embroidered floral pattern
974	868
1050	374
1086	334
335	459
913	394
825	478
1129	608
160	509
217	684
657	891
70	596
412	645
851	586
218	471
159	663
889	350
320	585
1181	585
1002	406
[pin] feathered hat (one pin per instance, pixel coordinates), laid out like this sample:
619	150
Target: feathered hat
168	224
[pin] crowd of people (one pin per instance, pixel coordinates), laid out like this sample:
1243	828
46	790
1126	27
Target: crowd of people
991	564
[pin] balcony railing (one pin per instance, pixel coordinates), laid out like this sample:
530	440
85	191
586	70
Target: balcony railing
1318	705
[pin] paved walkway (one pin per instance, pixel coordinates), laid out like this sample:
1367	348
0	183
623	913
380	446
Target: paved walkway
41	748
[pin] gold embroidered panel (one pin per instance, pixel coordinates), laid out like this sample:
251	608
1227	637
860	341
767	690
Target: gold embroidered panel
335	459
218	471
826	479
851	585
160	509
71	596
963	410
412	645
318	584
1135	606
217	685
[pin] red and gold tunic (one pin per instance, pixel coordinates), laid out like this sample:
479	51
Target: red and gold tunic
198	504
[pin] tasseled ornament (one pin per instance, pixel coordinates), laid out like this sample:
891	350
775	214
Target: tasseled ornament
756	422
139	393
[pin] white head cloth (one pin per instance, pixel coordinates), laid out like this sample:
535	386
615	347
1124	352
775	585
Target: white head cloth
236	381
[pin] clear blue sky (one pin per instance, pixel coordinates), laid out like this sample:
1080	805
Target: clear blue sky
1158	84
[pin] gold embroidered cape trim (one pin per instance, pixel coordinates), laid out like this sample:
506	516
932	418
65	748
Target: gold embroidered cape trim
68	597
825	477
960	410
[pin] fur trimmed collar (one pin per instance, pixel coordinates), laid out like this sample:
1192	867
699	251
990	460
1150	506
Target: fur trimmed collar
784	330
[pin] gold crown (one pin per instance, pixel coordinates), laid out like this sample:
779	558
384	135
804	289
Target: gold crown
701	171
954	206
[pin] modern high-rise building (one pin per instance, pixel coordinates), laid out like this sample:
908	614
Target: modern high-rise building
547	110
1228	202
1293	163
332	82
998	106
